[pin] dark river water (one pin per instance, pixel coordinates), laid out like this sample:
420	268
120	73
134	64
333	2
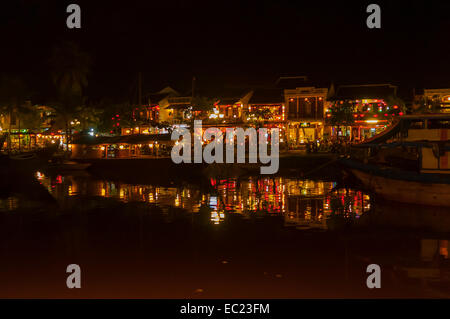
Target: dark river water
251	237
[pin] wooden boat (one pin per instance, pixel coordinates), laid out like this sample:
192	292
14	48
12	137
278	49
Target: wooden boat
410	162
402	186
25	162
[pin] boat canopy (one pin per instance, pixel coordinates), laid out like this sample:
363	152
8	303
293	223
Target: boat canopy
402	124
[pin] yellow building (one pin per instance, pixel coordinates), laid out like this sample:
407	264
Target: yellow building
306	105
440	97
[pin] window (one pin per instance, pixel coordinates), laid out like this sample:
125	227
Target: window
319	114
308	108
439	124
292	105
416	124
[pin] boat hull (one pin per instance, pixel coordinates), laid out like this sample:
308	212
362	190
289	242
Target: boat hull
405	191
403	186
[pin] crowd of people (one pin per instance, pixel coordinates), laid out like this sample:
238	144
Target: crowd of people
336	145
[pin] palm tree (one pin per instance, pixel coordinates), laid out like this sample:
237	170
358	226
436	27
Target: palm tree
392	101
258	116
341	114
70	68
88	116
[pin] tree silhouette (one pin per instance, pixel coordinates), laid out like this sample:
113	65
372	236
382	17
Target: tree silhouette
70	68
341	114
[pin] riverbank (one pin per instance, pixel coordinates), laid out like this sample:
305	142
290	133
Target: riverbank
136	170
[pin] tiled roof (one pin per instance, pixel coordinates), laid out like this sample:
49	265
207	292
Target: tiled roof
375	91
267	96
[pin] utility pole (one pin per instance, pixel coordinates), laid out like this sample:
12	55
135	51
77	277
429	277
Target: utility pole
139	89
139	96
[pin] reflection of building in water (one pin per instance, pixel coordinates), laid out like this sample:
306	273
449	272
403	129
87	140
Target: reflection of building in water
9	204
216	215
431	249
432	266
310	203
305	203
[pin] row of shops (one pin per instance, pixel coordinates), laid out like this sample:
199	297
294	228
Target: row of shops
125	146
24	140
299	107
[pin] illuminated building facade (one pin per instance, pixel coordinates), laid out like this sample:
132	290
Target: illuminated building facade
228	109
166	106
266	105
305	109
437	99
374	106
127	146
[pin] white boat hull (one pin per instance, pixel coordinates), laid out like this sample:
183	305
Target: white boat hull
431	194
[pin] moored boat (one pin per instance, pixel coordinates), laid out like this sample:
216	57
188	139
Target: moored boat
410	162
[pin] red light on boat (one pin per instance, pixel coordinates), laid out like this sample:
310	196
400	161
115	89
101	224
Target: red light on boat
401	113
385	114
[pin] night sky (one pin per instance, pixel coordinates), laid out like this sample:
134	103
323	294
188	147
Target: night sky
230	43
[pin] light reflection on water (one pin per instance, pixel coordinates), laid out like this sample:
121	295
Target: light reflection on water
298	203
302	203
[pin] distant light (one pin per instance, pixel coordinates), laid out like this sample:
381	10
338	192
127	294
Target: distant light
371	121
